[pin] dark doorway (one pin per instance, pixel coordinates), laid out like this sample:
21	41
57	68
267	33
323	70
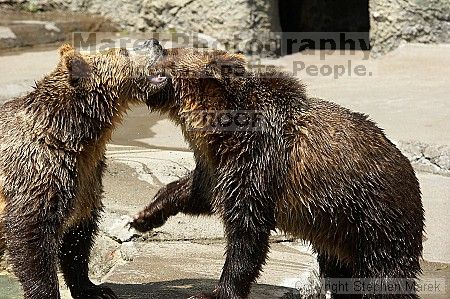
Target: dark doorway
314	17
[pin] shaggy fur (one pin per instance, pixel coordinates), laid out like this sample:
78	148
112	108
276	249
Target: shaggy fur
313	169
52	146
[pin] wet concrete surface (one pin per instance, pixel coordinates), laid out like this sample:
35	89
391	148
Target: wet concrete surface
439	275
195	266
9	287
407	92
186	254
145	129
436	201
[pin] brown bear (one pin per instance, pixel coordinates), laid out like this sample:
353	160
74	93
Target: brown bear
313	169
52	146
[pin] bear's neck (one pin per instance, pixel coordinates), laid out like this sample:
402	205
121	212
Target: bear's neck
72	119
194	104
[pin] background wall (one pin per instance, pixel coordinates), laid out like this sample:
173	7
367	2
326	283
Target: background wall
215	18
392	22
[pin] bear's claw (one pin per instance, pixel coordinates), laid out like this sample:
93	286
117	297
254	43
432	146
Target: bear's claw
95	292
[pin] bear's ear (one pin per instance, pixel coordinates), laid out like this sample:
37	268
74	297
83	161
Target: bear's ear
64	49
225	66
76	65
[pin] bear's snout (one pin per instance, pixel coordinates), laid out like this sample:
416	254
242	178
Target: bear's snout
147	53
151	43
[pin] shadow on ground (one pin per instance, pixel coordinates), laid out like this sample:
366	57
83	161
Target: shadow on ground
184	288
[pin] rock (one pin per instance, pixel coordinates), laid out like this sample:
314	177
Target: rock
425	165
104	255
6	33
391	22
117	228
181	16
427	157
439	155
419	21
24	29
412	150
128	251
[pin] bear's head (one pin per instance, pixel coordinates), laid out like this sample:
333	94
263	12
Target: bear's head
86	96
196	79
119	75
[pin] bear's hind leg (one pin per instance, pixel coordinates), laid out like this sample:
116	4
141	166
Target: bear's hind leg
32	243
74	259
338	275
391	264
331	267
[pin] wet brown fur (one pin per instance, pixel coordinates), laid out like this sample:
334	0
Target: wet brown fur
316	171
52	146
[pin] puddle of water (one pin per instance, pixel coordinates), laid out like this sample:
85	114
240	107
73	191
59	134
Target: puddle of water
10	288
144	129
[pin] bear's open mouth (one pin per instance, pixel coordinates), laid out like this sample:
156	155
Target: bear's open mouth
158	75
157	79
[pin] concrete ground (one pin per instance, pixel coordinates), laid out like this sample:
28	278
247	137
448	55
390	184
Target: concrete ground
407	94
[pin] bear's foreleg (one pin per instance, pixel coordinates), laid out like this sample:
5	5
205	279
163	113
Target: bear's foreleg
248	187
189	195
248	217
332	268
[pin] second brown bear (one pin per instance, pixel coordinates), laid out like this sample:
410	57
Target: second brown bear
308	167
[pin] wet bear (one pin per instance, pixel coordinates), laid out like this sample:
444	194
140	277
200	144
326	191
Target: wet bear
309	167
52	146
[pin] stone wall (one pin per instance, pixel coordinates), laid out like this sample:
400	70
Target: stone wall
398	21
233	20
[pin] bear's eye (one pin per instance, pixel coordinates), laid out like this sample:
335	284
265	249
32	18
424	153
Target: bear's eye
124	52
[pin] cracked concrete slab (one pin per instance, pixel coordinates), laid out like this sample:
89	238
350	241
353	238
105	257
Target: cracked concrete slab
427	158
159	264
48	25
159	167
